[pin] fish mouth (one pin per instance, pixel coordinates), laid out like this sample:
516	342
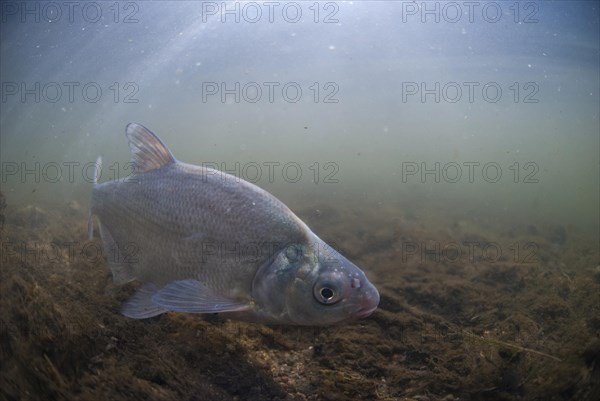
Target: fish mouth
369	304
365	312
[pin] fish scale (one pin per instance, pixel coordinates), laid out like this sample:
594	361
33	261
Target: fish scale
184	216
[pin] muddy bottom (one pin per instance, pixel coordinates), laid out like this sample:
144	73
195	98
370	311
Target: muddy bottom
470	310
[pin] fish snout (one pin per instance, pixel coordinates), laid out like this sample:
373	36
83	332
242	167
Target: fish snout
368	301
362	300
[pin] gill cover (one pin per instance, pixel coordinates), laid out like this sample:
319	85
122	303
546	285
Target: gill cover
275	283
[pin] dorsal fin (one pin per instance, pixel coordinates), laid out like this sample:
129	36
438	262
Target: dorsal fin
147	150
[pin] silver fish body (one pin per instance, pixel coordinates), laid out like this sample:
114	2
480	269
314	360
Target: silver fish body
203	241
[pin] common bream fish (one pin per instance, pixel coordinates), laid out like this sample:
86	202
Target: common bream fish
203	241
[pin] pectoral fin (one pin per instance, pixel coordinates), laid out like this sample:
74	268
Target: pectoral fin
194	297
140	305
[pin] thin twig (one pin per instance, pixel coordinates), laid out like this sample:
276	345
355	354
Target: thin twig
508	345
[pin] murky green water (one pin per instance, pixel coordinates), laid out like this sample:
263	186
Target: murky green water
499	111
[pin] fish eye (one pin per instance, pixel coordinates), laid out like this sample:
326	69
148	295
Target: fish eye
326	294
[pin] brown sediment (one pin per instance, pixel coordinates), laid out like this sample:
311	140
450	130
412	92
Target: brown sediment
521	326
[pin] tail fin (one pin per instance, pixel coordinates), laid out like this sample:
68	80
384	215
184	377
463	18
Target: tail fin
97	169
97	172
